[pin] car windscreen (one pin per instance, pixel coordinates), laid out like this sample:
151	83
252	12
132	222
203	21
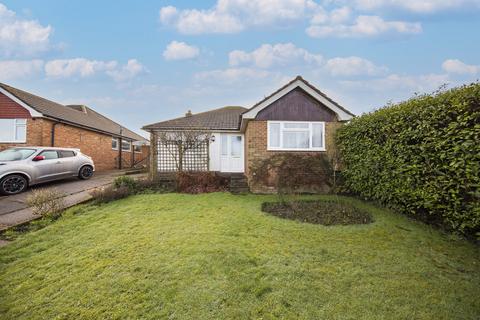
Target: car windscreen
15	154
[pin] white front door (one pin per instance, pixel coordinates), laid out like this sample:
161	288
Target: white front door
231	152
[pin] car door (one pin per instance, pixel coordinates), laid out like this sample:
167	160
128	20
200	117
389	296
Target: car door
50	168
69	162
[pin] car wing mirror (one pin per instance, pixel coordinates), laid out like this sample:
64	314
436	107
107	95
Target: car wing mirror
38	158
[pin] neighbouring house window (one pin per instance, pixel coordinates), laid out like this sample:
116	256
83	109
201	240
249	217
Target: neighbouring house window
296	136
137	148
126	146
13	130
115	143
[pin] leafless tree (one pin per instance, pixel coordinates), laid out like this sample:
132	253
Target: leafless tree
179	143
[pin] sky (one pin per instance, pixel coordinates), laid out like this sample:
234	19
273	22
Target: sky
140	62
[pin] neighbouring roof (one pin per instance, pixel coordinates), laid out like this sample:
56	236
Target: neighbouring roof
79	115
226	118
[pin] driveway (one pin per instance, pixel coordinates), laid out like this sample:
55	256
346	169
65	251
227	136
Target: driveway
14	210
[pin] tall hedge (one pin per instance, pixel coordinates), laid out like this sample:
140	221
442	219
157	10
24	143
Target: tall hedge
420	157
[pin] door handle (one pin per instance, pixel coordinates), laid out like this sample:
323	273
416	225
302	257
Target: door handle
58	162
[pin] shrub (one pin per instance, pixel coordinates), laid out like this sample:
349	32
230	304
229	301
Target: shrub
110	193
420	157
46	202
200	182
294	173
125	181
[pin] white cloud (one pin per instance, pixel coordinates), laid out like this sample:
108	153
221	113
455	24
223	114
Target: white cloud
393	82
180	51
364	26
353	66
129	71
231	75
21	37
268	55
64	68
459	67
81	67
14	69
232	16
417	6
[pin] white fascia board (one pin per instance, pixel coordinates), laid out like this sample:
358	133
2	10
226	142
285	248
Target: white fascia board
342	115
34	113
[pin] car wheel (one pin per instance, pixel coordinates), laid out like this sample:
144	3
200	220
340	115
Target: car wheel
86	172
13	184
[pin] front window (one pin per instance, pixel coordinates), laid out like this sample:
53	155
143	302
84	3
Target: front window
13	130
296	136
15	154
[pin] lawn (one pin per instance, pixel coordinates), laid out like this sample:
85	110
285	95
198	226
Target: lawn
217	256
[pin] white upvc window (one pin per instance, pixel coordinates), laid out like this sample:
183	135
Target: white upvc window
13	130
114	143
296	135
126	146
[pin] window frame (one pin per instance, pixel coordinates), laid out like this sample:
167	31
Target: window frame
16	124
129	145
136	145
117	143
282	129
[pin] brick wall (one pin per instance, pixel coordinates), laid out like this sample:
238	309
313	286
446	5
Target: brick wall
94	144
256	148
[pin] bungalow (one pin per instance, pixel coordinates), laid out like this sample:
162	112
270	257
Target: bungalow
30	120
296	118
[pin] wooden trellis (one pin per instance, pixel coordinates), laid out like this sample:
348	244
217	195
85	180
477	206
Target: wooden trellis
193	159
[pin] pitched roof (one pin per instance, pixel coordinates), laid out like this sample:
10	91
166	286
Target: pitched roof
79	115
316	90
226	118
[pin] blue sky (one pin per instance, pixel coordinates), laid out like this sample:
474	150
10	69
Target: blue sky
146	61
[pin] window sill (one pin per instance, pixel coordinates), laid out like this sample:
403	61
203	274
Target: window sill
13	141
297	149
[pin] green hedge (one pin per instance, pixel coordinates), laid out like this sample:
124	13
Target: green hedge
420	157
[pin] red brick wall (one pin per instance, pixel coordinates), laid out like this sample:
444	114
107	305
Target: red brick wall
9	109
94	144
256	148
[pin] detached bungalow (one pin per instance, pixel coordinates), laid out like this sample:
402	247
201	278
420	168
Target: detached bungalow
30	120
296	118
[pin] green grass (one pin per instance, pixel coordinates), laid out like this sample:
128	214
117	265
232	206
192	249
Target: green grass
217	256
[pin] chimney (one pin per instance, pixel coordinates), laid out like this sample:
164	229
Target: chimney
189	113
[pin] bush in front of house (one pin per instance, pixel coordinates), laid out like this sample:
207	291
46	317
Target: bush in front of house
200	182
125	181
46	202
420	157
109	193
295	173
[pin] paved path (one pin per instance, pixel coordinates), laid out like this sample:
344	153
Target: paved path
14	210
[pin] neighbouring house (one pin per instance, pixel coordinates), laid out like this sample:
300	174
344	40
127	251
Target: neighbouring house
30	120
296	118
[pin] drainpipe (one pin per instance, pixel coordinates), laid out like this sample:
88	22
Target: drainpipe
120	149
52	135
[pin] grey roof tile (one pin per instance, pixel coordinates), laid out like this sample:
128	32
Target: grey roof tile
226	118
